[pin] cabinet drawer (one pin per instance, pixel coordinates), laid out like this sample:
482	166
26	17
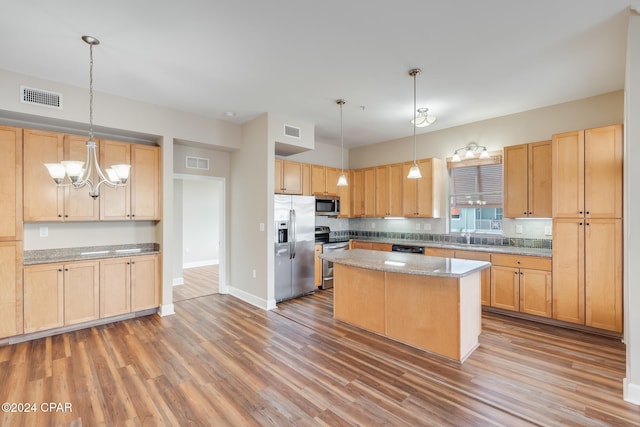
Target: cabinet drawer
521	261
473	255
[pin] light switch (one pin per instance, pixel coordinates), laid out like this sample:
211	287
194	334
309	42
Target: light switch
518	229
547	230
44	231
262	226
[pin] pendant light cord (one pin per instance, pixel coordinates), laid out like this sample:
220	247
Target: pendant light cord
90	92
341	140
414	116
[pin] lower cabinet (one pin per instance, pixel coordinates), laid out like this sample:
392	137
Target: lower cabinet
521	283
128	284
10	289
374	246
317	266
60	294
485	275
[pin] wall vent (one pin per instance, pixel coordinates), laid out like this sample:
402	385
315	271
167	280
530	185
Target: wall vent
201	163
292	131
44	98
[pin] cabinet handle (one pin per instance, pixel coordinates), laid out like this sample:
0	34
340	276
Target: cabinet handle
580	212
128	263
524	213
588	213
515	272
579	223
60	270
517	262
521	273
66	216
588	223
530	213
59	215
132	215
66	269
133	262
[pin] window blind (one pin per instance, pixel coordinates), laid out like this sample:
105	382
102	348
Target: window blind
478	186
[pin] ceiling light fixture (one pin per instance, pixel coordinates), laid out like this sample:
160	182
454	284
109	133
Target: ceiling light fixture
78	174
342	179
414	171
470	152
424	118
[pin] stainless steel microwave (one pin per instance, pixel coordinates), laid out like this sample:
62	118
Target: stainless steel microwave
327	205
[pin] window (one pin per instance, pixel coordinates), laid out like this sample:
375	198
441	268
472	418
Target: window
475	190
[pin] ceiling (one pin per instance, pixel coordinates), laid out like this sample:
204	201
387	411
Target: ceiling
479	59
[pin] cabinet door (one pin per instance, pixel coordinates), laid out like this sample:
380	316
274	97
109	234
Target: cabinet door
78	205
568	174
144	282
81	292
485	275
42	199
568	270
540	179
356	244
394	189
358	193
291	177
306	180
278	187
429	187
385	247
369	192
535	292
345	196
331	181
441	252
317	179
603	172
43	297
381	191
516	182
10	184
10	289
115	203
317	266
505	287
603	274
409	192
145	182
115	287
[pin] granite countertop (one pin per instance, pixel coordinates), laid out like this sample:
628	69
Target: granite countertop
47	256
398	262
512	250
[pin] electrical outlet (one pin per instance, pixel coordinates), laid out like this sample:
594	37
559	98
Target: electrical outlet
518	229
547	230
44	231
418	227
373	225
261	227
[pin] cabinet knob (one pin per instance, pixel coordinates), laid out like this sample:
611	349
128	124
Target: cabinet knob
133	262
66	216
59	215
517	262
579	223
132	215
60	270
530	213
588	213
66	269
524	213
580	212
588	223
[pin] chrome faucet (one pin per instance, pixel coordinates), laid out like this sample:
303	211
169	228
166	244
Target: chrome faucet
467	235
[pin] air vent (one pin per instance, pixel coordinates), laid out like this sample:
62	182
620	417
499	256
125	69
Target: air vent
292	131
44	98
201	163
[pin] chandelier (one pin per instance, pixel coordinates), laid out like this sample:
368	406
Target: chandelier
80	175
470	152
424	118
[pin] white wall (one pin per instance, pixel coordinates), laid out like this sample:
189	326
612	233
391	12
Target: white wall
200	222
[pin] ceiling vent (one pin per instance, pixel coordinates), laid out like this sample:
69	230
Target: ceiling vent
44	98
292	131
200	163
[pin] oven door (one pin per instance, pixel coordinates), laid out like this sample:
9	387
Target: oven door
327	266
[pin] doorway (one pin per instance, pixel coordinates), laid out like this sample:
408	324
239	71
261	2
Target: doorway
199	225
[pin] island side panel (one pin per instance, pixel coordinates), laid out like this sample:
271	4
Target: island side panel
470	313
424	311
358	297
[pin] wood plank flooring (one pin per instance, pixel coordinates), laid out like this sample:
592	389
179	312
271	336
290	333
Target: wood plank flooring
221	362
198	282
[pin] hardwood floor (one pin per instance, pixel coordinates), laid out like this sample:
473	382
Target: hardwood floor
219	361
198	282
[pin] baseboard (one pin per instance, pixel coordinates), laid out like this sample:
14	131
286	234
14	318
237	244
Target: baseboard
166	310
204	263
252	299
178	281
631	392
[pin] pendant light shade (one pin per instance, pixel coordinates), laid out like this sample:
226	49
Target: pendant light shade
414	172
342	179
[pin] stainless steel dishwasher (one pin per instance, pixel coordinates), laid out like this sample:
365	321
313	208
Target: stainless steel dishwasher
327	266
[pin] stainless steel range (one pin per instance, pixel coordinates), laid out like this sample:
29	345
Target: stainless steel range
323	234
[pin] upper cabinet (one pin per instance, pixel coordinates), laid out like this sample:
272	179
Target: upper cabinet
288	177
344	193
587	173
140	198
527	180
10	183
324	180
388	190
421	197
43	200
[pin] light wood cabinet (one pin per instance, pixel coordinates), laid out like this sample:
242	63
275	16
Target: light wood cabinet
344	193
587	173
43	200
485	275
587	271
306	180
527	180
128	284
357	193
421	197
10	183
324	180
388	190
521	283
317	266
140	198
81	292
43	297
369	192
11	292
373	246
440	252
288	177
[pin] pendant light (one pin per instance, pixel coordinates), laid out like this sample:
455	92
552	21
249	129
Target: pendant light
79	173
342	179
414	171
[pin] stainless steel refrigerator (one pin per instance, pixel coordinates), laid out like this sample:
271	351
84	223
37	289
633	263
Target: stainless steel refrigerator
294	244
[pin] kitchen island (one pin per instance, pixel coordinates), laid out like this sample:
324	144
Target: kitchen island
431	303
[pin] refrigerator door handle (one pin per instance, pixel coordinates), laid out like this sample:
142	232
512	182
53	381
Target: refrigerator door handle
292	215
